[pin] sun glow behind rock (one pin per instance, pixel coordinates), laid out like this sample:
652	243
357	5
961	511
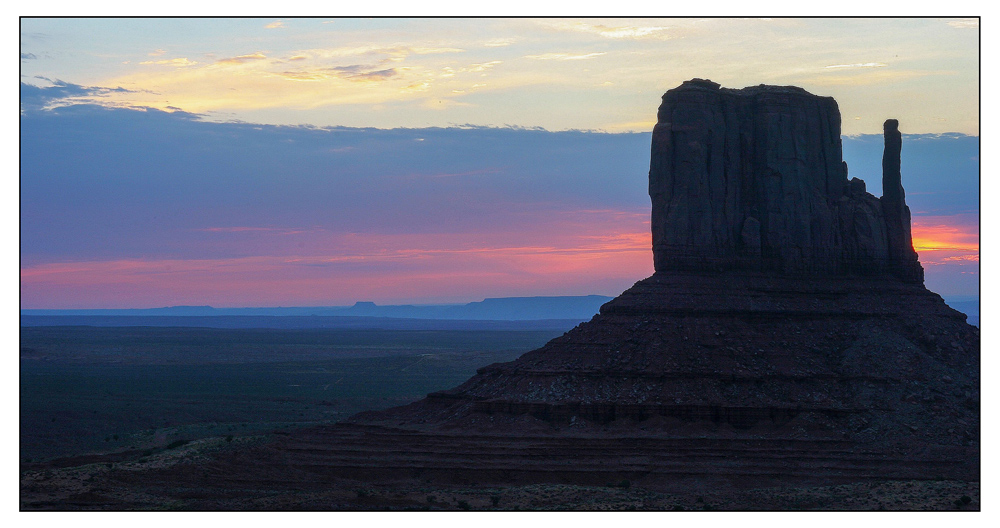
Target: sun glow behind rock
943	239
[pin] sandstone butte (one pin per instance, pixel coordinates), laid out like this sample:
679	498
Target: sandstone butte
785	339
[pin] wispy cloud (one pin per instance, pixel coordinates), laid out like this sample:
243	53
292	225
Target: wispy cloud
499	42
172	62
565	56
60	93
482	67
964	23
378	75
355	72
359	71
428	51
28	56
242	58
157	52
612	32
858	65
306	76
276	24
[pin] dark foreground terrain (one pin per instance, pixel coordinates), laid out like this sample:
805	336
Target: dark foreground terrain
199	476
93	390
169	418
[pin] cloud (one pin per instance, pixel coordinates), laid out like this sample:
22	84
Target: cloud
365	180
157	52
499	42
28	56
964	23
275	25
363	73
612	32
167	209
428	51
37	98
309	76
181	62
860	65
242	58
482	67
355	73
421	86
379	75
564	56
303	79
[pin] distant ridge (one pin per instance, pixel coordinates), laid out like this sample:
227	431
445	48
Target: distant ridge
580	307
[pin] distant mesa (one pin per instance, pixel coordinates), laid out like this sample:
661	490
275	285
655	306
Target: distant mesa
785	339
559	310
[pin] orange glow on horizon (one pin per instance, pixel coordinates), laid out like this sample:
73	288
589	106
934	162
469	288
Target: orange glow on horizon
948	237
945	240
564	258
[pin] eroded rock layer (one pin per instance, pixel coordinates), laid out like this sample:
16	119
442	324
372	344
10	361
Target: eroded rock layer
754	378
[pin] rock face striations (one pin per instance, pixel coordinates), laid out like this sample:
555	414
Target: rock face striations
786	338
755	179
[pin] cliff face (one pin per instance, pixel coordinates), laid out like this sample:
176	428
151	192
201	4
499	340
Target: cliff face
754	179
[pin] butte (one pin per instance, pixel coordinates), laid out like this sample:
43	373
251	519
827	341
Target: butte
785	339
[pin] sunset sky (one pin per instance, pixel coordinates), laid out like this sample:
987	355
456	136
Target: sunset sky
298	162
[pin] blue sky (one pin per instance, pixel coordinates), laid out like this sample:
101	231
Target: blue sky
264	162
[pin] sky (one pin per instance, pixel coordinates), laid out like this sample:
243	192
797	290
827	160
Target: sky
312	162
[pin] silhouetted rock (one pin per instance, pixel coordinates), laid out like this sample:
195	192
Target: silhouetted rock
786	339
755	179
897	214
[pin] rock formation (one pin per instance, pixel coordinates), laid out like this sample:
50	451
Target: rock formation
755	179
786	338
